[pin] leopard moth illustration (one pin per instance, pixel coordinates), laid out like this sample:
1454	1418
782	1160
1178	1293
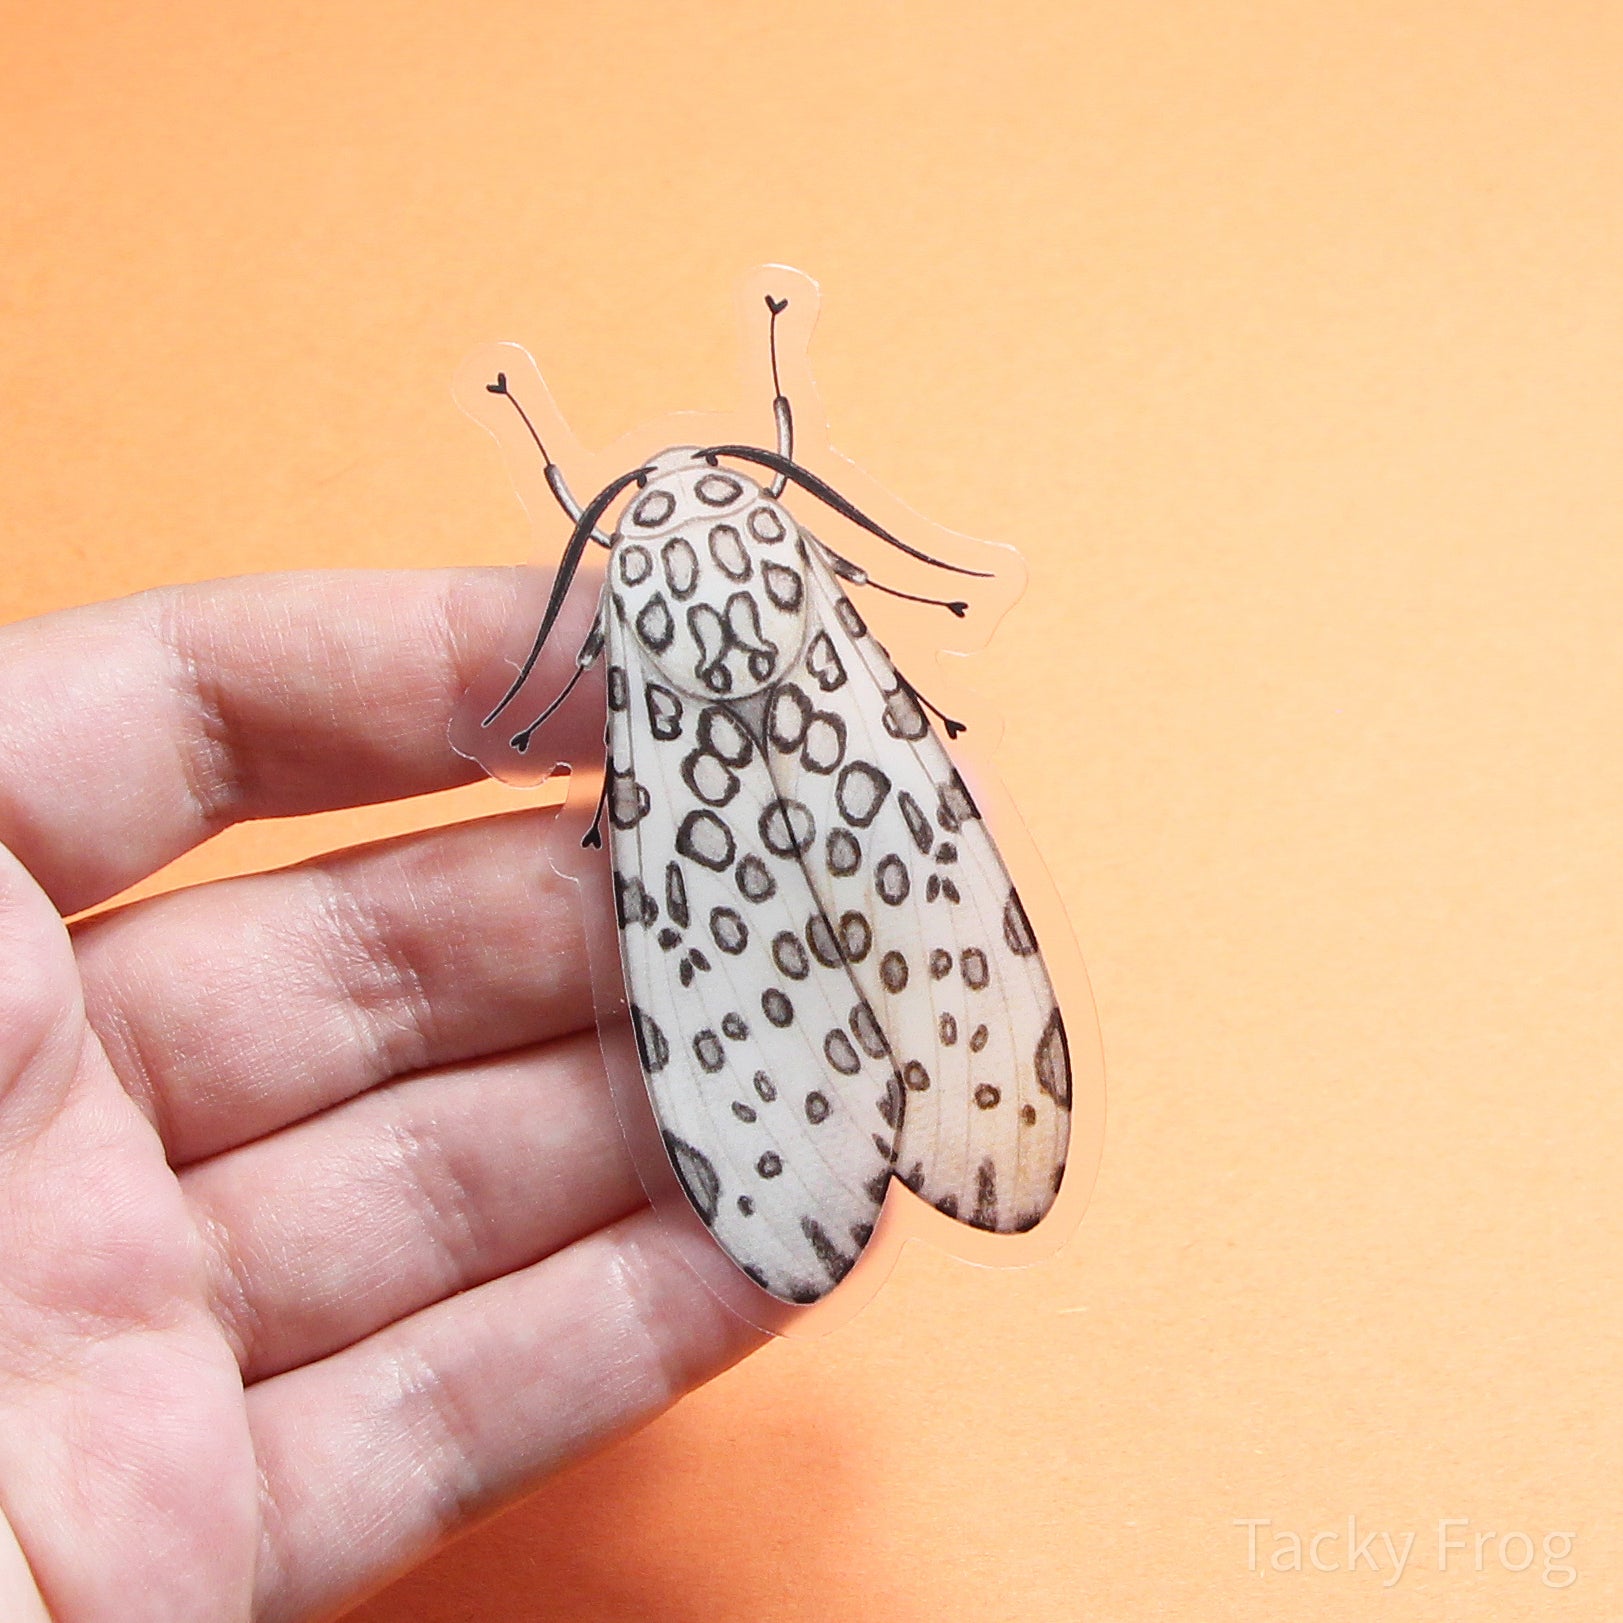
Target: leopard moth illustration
833	984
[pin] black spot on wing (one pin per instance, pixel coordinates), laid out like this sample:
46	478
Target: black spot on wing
697	1174
892	880
788	717
845	612
904	717
823	663
718	490
676	894
653	509
918	825
844	852
835	1263
724	736
856	937
765	524
823	942
860	792
755	879
783	586
985	1214
868	1032
787	827
728	930
709	778
633	904
652	1048
681	566
704	838
727	549
893	1102
1017	930
955	806
1053	1062
628	801
664	712
655	626
837	1050
790	956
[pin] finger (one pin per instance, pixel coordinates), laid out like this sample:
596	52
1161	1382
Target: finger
98	1308
375	1454
130	731
234	1008
322	1234
40	1032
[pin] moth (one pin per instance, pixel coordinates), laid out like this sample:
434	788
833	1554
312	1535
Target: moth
832	982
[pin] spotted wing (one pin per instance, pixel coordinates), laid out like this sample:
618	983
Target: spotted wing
779	1121
917	902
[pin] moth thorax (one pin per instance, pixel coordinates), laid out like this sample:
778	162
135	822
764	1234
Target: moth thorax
708	574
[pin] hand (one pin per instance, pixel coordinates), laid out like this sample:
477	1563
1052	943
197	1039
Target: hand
317	1235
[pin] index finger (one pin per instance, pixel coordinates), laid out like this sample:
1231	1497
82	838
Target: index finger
131	731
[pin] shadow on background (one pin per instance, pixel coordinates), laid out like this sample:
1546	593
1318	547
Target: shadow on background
624	1536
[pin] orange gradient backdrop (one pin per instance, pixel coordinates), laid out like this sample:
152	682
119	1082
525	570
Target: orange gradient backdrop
1286	341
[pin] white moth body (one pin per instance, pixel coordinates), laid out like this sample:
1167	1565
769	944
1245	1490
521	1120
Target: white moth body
832	980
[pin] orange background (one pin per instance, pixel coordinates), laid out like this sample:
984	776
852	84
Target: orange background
1286	343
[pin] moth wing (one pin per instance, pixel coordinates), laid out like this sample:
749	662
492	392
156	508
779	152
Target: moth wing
932	929
781	1129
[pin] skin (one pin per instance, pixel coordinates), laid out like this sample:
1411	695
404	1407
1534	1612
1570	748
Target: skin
318	1240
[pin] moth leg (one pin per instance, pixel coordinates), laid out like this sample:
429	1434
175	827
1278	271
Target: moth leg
584	660
858	576
953	727
556	483
782	417
593	837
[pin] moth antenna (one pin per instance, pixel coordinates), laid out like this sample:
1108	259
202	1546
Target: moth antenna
858	576
957	606
579	539
830	497
556	483
584	661
775	308
782	417
500	387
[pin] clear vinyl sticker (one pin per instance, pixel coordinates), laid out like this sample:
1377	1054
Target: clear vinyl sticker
839	1001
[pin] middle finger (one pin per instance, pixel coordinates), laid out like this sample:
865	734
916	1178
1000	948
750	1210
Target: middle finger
234	1008
324	1233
